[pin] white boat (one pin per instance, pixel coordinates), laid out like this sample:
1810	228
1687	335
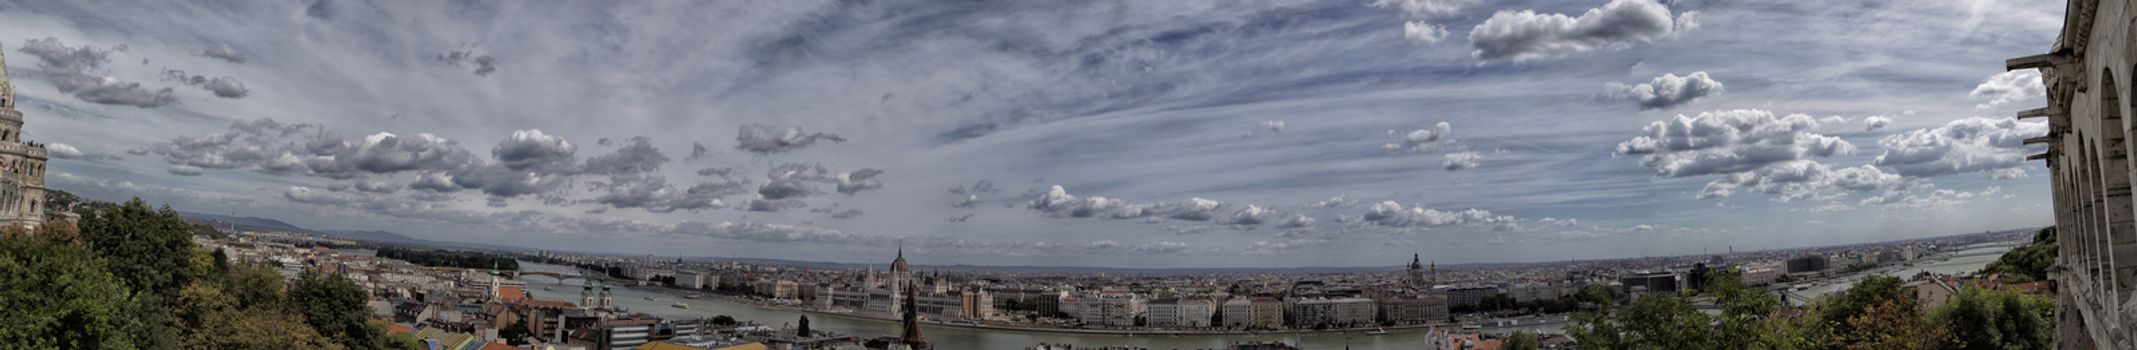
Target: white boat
679	305
1377	331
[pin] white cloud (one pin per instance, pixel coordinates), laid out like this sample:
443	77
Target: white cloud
225	53
1419	140
1423	8
2009	87
1666	91
1872	123
1804	179
1974	144
1729	141
1390	213
531	148
1460	160
1527	35
1423	32
764	139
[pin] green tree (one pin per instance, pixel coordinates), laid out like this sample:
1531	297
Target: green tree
335	307
2027	262
151	250
1520	341
723	320
515	334
1869	291
58	296
211	319
1988	319
803	329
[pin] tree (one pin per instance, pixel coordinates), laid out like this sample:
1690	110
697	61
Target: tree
150	250
335	307
515	334
1988	319
723	320
1520	341
211	319
2027	262
1890	324
58	296
803	330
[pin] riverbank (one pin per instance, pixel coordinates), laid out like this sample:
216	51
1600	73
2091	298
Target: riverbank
1044	330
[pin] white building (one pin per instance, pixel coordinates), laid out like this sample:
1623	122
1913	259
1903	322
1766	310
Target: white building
1332	312
1238	312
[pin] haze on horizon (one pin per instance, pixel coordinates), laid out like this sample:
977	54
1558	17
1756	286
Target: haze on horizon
1119	134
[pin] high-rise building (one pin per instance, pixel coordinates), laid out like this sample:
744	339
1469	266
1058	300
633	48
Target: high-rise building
22	164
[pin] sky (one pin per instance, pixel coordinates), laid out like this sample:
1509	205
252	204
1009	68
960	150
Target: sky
1088	133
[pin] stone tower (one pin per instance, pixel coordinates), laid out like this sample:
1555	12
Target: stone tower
22	164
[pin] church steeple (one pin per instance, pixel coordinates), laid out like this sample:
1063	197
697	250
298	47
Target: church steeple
911	322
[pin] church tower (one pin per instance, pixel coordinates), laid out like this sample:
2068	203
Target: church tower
911	322
22	164
1417	271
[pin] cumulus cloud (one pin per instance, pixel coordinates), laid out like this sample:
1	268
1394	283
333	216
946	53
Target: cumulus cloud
1421	31
764	139
1729	141
1419	140
1332	202
186	170
1296	221
1390	213
654	194
1422	8
224	87
1666	91
716	171
1527	35
531	148
1057	202
859	180
1969	145
224	52
637	156
1872	123
1460	160
65	151
2008	87
70	69
1804	179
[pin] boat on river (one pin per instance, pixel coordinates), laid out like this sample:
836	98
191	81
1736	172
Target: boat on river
680	305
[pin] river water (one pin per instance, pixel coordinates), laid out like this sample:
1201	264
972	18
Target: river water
943	337
1966	260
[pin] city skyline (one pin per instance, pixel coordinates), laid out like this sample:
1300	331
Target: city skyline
1173	134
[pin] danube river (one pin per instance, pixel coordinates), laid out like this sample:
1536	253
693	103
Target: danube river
944	337
1967	260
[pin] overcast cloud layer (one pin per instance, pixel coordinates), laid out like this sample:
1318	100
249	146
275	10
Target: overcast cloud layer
1138	133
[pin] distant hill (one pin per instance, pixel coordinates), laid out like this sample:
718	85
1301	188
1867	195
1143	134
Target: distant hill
370	235
244	222
374	236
